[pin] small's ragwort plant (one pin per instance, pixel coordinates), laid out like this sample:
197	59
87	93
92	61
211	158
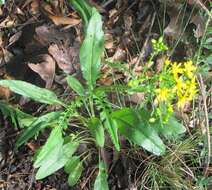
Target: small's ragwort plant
144	126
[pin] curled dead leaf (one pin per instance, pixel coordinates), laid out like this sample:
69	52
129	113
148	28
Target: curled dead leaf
46	69
66	57
200	23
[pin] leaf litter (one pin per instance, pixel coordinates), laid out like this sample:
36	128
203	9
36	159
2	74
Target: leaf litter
40	42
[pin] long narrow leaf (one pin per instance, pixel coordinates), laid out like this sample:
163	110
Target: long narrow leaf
83	9
92	49
36	126
54	163
97	131
17	117
75	174
75	85
51	149
101	180
31	91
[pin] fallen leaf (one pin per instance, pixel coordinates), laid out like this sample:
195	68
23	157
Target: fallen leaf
137	97
61	20
109	41
8	23
174	28
34	7
66	57
109	80
33	147
47	35
14	38
46	69
120	55
200	23
5	92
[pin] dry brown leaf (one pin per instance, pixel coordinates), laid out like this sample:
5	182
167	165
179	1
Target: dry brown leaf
66	57
14	38
8	22
137	97
160	63
5	92
109	41
47	35
120	55
46	69
107	81
33	147
174	28
47	7
34	7
61	20
200	23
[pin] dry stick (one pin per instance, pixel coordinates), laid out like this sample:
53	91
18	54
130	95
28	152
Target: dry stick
107	3
88	178
203	92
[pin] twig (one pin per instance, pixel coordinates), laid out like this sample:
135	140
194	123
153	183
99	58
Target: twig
88	178
203	92
107	3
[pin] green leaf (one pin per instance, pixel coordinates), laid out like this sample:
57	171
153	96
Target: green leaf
71	164
75	85
18	118
101	180
92	49
31	91
97	131
51	149
134	125
36	126
53	164
208	60
172	129
112	129
83	9
75	174
2	2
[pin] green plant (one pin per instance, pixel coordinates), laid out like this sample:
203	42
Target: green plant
135	124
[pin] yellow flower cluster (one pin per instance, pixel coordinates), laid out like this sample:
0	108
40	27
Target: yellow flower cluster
184	80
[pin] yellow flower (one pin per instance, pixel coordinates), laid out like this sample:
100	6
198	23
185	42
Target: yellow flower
192	88
180	85
189	69
176	69
162	94
182	101
167	62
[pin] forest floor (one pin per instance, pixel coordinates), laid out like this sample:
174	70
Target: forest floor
40	42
